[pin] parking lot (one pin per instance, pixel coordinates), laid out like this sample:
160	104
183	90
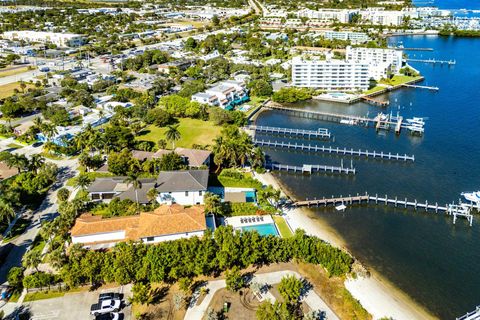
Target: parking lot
74	306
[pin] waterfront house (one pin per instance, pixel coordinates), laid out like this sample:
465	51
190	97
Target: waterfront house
167	222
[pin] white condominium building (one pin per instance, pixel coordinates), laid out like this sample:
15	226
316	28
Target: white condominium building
380	61
378	16
354	37
225	94
59	39
330	74
327	15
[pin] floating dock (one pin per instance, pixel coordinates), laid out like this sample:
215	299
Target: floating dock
320	133
311	168
337	150
454	210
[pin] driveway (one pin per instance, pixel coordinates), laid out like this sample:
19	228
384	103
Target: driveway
73	306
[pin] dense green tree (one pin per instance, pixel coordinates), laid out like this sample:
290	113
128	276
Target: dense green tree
234	279
15	278
290	288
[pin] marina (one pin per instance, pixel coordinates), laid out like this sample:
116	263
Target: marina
311	168
381	121
454	210
338	150
320	133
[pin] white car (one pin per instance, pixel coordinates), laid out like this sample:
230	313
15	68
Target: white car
105	306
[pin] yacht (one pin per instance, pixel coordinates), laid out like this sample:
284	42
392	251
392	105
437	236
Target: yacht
472	196
416	121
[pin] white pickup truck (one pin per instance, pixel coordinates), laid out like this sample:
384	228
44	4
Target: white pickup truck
105	306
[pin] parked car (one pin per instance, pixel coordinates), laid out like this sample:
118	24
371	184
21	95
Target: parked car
108	316
105	306
109	296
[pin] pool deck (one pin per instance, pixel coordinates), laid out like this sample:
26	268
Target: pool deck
235	221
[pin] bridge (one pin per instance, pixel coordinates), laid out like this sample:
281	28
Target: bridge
337	150
454	210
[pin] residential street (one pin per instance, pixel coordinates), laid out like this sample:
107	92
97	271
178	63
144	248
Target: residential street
47	210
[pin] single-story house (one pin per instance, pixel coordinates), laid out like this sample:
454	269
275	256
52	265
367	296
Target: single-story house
183	187
167	222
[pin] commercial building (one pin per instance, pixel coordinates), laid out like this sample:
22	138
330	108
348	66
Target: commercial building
330	74
167	222
59	39
380	61
225	94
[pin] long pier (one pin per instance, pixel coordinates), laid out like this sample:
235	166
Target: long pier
454	210
338	150
434	61
311	168
421	87
320	133
413	49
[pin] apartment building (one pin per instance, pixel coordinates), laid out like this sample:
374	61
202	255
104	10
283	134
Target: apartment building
330	74
59	39
378	16
327	15
354	37
225	94
380	61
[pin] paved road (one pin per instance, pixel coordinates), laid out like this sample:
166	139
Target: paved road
48	209
311	298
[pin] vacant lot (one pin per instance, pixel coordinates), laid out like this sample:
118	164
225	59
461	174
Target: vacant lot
192	132
8	89
12	70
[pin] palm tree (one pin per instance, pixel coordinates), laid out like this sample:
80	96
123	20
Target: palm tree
172	134
49	130
152	194
17	161
6	209
32	259
38	122
82	181
36	161
135	182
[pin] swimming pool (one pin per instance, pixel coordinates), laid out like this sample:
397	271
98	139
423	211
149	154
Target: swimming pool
263	229
250	196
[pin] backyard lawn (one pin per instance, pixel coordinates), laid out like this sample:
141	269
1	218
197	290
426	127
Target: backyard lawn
282	226
399	79
193	131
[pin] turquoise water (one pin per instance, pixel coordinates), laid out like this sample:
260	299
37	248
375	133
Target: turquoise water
434	261
267	229
250	196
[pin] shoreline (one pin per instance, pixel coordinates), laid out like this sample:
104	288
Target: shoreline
376	294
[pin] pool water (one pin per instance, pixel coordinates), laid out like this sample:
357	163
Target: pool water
250	196
263	229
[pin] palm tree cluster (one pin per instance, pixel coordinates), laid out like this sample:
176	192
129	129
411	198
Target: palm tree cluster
234	148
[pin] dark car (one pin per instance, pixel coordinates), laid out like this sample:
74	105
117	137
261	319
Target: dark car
109	296
37	144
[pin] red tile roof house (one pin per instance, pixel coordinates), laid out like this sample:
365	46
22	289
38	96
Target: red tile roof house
167	222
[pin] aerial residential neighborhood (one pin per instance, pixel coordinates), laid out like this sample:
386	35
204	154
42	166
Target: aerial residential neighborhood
245	159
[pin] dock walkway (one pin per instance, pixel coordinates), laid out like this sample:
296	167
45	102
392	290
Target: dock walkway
337	150
310	168
455	210
320	133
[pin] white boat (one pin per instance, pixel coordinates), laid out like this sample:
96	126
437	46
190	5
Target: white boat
341	207
472	196
345	121
415	128
416	121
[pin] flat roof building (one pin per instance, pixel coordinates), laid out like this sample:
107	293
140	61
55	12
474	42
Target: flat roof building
57	38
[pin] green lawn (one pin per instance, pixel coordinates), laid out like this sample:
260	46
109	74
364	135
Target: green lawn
399	79
92	175
20	226
224	181
40	295
193	131
374	89
282	226
14	146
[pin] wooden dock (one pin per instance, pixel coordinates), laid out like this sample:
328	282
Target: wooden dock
454	210
434	61
375	102
337	150
320	133
311	168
